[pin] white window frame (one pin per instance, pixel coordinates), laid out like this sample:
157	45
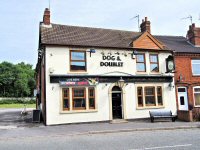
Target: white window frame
192	67
195	87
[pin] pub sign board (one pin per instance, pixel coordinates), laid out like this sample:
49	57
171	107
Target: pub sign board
170	65
111	61
80	82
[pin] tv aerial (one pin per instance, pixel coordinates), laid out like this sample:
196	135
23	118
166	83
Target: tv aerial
189	17
138	18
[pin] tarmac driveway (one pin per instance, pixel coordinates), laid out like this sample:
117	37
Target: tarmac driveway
12	118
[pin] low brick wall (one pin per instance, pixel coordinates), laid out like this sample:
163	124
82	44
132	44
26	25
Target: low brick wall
185	115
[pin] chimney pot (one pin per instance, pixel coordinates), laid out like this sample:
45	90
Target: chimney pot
193	25
46	17
145	25
193	35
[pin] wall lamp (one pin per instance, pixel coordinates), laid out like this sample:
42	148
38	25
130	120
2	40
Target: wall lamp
171	86
133	54
91	51
120	82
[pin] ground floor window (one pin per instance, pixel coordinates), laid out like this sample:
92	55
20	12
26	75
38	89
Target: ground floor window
78	98
197	95
91	95
65	99
148	96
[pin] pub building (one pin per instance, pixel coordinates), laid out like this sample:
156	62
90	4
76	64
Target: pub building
89	74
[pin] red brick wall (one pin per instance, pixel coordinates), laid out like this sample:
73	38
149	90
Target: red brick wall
184	67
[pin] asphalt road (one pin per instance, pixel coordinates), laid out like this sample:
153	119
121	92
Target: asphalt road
188	139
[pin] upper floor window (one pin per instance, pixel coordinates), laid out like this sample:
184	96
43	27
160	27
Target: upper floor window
196	67
140	63
77	61
154	65
197	95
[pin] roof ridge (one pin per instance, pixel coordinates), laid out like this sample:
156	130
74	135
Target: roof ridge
96	28
170	36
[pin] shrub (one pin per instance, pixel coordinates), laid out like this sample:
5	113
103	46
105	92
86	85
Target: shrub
17	101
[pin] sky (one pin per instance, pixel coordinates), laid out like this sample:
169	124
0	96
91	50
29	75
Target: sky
19	20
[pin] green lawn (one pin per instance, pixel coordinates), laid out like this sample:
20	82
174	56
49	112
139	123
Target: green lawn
16	106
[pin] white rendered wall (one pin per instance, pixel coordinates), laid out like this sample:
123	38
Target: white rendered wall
58	59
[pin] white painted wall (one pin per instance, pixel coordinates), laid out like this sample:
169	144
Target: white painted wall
58	59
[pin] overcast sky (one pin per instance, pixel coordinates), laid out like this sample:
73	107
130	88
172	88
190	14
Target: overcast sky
19	20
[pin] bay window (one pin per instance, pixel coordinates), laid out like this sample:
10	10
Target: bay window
149	96
79	99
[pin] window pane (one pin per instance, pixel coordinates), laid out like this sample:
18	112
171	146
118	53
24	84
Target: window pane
65	104
78	66
91	92
153	58
149	90
140	57
80	102
140	67
160	102
77	55
196	89
79	92
182	101
181	89
196	61
140	101
139	92
150	100
154	67
197	98
65	92
159	90
91	102
196	68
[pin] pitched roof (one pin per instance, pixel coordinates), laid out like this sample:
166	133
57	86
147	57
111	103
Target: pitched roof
85	36
98	37
178	43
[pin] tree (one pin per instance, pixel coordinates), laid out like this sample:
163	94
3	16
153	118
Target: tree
16	80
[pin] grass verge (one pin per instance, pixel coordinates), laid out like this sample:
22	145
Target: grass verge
16	106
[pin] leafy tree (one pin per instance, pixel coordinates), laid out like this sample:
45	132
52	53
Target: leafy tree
16	80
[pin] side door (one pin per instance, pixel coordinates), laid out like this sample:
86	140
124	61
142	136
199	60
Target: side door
182	98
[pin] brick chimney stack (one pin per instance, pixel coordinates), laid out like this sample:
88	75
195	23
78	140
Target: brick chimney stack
145	25
193	35
46	17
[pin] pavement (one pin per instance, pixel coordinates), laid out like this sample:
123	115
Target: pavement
13	125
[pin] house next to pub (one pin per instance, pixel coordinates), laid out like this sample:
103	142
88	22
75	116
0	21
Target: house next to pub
89	74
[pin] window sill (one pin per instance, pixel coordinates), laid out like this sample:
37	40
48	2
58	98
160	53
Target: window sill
141	73
196	75
150	107
197	106
78	111
77	72
155	73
